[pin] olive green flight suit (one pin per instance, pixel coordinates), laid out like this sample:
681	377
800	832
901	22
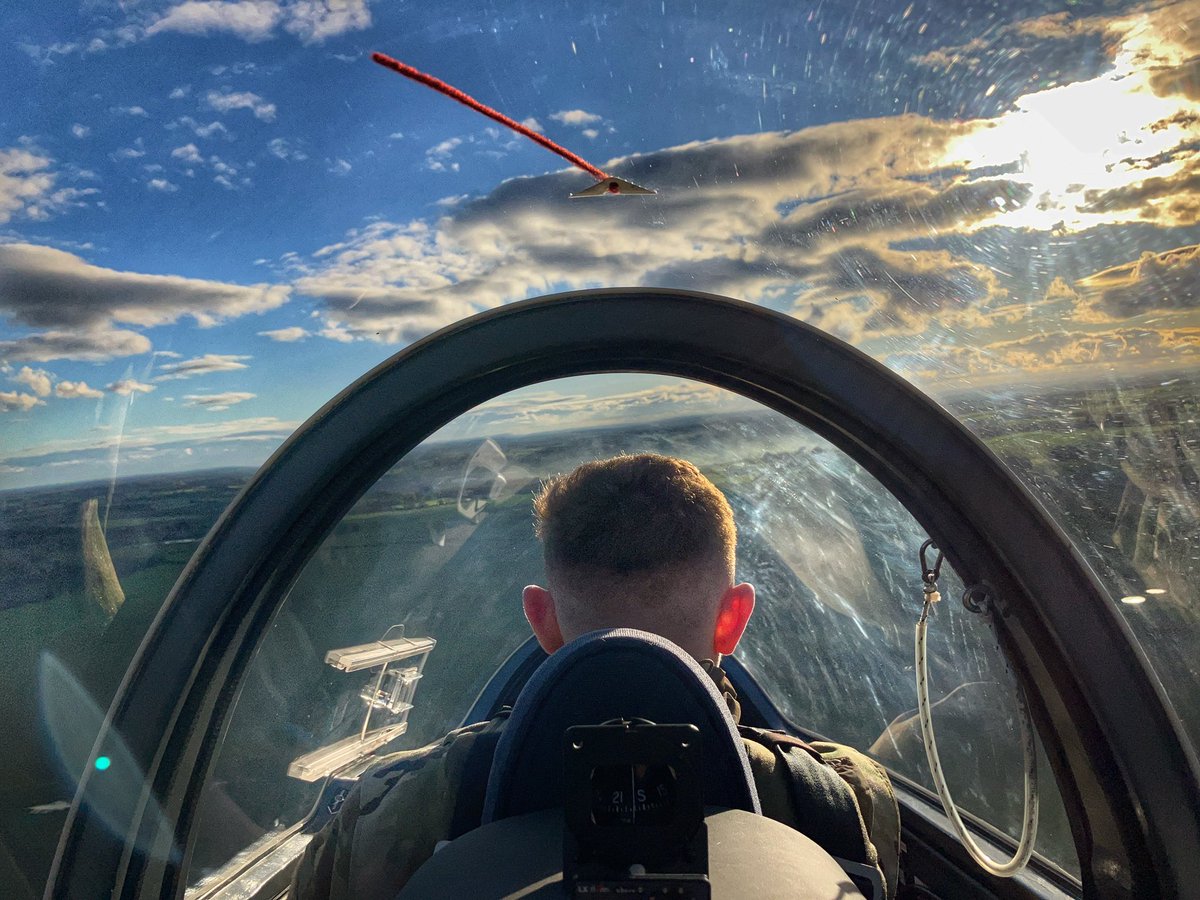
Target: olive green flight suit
399	810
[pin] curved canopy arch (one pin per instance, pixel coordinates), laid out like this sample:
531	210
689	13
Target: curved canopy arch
1128	776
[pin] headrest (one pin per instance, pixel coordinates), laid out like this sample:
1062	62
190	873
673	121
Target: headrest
618	673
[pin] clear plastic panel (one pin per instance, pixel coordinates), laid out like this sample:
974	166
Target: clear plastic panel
1117	464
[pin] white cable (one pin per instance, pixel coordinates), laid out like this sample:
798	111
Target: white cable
1030	821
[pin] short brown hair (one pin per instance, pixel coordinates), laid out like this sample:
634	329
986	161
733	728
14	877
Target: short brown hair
634	515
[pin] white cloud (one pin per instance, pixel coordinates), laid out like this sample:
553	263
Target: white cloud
575	117
286	335
437	157
396	136
13	401
189	153
231	100
77	305
71	390
217	402
590	133
251	20
226	174
80	131
161	184
37	380
814	214
137	151
336	333
180	92
312	21
533	124
127	386
282	149
203	131
202	365
44	55
445	148
25	183
91	344
237	68
28	185
340	167
136	111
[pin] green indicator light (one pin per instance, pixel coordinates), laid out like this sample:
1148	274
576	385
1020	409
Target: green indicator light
102	763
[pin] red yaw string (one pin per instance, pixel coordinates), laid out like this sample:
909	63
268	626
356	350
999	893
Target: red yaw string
466	100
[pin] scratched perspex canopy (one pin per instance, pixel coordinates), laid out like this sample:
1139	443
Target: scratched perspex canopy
215	214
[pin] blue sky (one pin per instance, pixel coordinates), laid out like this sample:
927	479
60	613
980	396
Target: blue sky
215	215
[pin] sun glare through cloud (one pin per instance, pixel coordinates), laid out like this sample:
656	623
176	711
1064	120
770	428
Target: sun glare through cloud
1075	142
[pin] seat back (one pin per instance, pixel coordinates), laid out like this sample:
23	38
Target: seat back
617	673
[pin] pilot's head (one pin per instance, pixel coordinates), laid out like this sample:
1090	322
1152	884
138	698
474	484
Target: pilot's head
638	542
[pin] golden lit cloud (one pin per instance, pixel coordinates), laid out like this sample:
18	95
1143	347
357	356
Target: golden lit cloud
1037	354
1155	281
16	401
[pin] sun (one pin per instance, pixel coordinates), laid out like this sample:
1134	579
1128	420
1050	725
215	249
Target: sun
1074	142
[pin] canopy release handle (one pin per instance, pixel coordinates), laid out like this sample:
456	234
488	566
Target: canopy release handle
929	578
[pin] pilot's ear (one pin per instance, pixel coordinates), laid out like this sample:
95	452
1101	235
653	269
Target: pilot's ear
737	603
543	618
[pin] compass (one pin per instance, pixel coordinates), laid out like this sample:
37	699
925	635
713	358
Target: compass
634	811
633	794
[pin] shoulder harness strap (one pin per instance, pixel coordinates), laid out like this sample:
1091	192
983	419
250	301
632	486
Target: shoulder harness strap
823	804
